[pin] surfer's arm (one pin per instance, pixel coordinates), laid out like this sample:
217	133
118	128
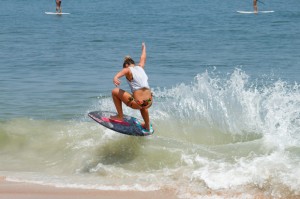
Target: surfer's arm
143	56
120	74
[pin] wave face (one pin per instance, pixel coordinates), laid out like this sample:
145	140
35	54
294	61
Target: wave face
220	133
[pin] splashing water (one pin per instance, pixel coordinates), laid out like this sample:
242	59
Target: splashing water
217	134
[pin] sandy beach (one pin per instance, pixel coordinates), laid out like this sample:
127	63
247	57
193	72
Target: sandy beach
17	190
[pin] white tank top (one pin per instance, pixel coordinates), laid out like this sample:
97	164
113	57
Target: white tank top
139	79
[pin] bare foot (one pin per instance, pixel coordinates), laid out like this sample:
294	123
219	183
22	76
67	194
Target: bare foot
116	117
145	127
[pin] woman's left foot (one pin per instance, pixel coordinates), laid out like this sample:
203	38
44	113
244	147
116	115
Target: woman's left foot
144	126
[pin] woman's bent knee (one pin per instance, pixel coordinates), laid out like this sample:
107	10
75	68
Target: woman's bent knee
115	91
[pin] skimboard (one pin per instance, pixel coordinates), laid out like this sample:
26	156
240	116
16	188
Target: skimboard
252	12
129	125
57	13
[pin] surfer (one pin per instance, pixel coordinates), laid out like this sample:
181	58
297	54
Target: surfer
255	5
141	97
58	6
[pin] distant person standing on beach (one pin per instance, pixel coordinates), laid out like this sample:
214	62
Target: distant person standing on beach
255	5
58	6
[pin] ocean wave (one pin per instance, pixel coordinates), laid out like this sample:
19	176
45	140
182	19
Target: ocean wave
220	132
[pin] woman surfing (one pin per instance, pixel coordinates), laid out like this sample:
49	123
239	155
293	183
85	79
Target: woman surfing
140	97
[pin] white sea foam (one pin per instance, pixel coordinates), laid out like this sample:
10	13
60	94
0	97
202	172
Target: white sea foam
215	134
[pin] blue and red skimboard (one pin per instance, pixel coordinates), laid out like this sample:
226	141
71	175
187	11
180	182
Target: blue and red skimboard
129	125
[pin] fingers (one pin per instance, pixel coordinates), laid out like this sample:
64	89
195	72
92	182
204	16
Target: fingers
117	82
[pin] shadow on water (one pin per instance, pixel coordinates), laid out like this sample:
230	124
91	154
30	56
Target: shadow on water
120	151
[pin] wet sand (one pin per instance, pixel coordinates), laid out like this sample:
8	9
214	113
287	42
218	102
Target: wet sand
19	190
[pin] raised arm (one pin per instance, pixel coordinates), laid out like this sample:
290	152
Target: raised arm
143	56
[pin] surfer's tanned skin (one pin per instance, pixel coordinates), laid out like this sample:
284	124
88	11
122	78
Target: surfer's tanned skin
141	97
58	6
255	5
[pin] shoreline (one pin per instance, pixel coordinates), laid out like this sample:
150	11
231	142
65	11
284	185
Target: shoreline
20	190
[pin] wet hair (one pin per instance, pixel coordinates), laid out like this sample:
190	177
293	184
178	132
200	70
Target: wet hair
128	60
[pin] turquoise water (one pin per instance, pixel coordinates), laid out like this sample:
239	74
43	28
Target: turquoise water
225	85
